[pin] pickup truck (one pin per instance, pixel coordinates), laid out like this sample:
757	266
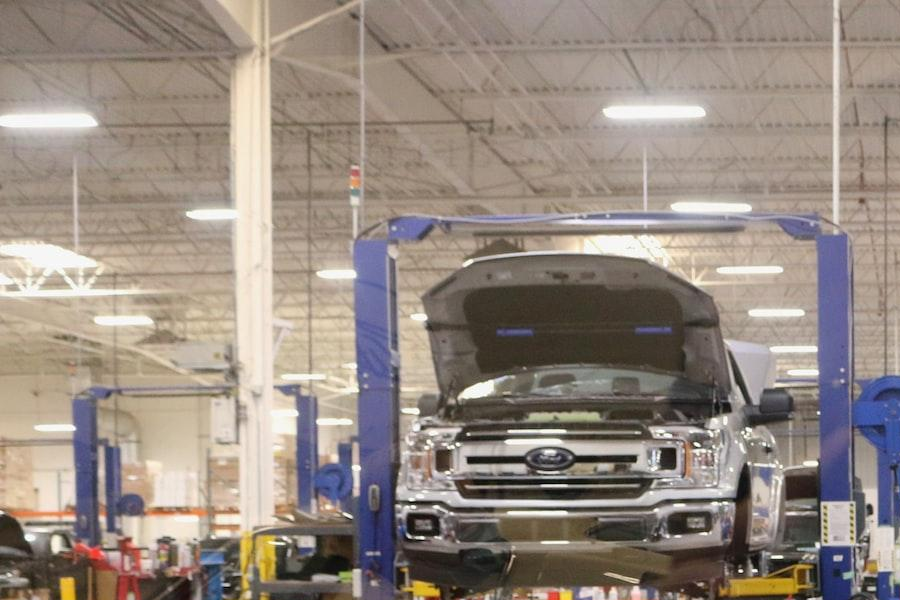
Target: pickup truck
592	428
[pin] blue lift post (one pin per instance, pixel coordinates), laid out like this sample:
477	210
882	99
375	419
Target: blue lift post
112	468
378	359
307	452
835	303
87	484
345	459
877	415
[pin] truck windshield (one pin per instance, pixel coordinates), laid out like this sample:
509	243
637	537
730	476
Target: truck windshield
586	381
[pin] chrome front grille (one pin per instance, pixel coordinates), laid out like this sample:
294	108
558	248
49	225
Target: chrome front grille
616	461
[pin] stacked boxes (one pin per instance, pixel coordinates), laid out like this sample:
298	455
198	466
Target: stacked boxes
224	481
16	485
140	478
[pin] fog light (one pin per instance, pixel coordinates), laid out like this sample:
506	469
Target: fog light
422	525
682	523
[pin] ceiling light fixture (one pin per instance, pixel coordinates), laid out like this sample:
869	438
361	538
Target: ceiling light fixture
350	366
212	214
123	320
66	120
751	270
711	207
70	293
285	413
420	317
410	410
794	349
47	256
304	376
639	112
803	372
775	313
336	274
333	421
54	427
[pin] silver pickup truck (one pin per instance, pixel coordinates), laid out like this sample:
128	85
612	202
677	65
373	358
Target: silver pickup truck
592	428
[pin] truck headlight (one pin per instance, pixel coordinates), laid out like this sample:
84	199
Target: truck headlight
429	459
702	458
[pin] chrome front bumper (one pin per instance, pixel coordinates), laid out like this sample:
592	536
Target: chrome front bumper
481	550
668	527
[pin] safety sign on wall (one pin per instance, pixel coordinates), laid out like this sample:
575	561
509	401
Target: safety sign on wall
838	523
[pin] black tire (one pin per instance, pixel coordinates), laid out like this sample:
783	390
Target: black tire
740	541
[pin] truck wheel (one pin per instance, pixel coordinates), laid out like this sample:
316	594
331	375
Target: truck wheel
740	541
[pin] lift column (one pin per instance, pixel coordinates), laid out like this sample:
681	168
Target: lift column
307	451
378	363
835	321
877	415
87	485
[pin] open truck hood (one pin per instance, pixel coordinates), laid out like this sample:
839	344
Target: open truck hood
516	311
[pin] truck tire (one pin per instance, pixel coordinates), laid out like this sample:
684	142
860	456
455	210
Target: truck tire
740	541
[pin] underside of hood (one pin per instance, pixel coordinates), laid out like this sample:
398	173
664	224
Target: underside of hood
521	311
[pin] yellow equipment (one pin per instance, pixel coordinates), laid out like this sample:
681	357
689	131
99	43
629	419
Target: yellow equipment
67	588
794	581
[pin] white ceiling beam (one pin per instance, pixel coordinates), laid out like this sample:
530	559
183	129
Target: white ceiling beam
693	93
668	46
237	18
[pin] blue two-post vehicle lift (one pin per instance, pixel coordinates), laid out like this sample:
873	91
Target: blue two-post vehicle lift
86	445
378	360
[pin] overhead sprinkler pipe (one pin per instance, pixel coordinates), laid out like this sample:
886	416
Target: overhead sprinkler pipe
836	113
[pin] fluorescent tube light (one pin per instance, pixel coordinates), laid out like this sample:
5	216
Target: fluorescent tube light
420	317
711	207
810	463
803	372
54	427
67	120
304	376
350	366
751	270
212	214
123	320
47	256
633	112
285	413
776	313
69	293
794	349
410	410
336	274
333	421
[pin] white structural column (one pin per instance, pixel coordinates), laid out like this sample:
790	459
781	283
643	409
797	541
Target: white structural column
251	172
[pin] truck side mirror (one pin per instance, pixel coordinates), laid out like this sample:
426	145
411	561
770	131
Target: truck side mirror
429	404
775	405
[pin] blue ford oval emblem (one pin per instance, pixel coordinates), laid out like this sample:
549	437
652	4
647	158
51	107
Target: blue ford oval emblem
550	459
